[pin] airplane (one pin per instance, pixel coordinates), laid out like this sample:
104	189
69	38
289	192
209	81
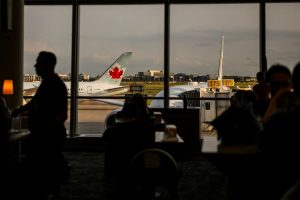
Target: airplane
202	87
107	84
191	89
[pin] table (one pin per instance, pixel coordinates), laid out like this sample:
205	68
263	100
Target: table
211	145
160	138
17	135
230	159
176	147
239	163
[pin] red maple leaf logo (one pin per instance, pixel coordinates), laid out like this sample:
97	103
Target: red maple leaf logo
115	73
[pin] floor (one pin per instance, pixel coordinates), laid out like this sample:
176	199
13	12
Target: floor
199	180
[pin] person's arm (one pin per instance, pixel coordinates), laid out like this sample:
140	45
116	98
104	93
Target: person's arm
273	106
24	108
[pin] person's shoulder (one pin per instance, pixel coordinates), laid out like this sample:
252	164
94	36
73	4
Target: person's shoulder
262	85
255	86
57	82
58	79
108	130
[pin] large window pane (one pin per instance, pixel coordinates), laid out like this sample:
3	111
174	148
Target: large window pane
196	36
283	33
46	28
106	32
196	32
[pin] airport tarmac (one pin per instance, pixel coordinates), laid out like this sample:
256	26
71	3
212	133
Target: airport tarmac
91	116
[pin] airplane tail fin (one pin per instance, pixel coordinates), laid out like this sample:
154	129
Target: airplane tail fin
114	74
220	73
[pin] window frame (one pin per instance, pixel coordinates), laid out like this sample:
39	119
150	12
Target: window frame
75	36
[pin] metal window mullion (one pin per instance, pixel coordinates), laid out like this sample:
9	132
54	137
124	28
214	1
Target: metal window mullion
166	53
262	36
74	69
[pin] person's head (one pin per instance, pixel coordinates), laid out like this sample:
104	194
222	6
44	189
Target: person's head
139	100
278	76
260	76
45	63
296	79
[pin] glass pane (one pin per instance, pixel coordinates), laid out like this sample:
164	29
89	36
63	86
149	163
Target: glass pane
283	33
46	28
196	33
208	43
106	33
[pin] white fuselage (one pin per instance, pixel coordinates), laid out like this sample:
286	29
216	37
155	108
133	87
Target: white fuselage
85	88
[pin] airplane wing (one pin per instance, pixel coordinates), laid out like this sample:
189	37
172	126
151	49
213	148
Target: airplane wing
29	88
29	92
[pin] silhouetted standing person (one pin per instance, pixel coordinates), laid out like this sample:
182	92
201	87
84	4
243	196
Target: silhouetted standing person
47	112
261	89
279	79
279	142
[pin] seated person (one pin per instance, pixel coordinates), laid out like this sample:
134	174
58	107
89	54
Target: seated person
134	131
261	89
279	143
239	124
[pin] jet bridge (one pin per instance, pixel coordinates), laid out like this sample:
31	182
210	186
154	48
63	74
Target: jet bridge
210	107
